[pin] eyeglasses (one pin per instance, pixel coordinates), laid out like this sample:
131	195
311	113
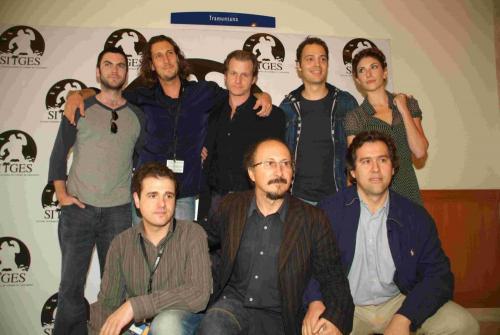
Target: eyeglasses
114	126
270	164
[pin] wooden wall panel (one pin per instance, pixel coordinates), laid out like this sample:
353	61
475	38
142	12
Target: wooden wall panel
468	222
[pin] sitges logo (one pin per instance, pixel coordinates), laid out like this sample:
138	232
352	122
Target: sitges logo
352	48
50	204
17	153
55	100
21	46
269	51
49	311
14	261
206	69
131	42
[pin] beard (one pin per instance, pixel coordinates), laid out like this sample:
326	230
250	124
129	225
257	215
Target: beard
275	195
107	85
279	194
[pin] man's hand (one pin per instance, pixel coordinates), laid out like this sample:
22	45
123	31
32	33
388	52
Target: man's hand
63	197
263	100
204	154
314	311
67	200
119	319
399	325
325	327
74	101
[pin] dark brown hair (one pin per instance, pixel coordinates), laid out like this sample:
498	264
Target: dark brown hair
310	40
147	73
370	136
113	50
370	52
151	169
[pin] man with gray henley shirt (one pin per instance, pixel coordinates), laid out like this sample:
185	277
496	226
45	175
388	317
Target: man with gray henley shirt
95	196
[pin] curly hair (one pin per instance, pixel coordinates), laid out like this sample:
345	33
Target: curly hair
147	73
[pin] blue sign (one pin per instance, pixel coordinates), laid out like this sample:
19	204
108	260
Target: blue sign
223	19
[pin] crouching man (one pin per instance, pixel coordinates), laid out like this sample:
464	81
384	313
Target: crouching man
158	270
399	276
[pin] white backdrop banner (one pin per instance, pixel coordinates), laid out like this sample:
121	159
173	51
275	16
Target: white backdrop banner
38	66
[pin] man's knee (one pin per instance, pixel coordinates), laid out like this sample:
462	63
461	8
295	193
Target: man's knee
225	317
462	322
451	318
168	322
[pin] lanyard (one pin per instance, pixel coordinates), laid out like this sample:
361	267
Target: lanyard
176	121
152	269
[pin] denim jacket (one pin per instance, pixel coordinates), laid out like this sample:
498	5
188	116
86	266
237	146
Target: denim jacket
343	102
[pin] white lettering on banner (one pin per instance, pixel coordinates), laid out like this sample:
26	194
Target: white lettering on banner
222	18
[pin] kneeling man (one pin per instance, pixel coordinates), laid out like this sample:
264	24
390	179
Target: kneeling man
399	276
158	269
271	244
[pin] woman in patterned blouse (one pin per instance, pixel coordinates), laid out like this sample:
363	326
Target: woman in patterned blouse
397	115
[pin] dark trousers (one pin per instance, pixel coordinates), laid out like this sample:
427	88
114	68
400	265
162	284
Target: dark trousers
79	230
229	316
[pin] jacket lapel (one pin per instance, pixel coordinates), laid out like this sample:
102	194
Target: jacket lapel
236	223
291	231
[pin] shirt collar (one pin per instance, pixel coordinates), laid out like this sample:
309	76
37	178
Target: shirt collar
140	230
281	211
248	104
368	108
384	209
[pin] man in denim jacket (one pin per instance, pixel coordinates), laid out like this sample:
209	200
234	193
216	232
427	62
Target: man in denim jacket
315	132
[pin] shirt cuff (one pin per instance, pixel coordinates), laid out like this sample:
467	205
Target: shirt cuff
143	307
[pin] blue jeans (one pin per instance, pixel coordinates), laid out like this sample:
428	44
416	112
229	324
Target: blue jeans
229	316
175	322
79	230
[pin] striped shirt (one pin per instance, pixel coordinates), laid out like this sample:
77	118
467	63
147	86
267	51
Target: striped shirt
182	281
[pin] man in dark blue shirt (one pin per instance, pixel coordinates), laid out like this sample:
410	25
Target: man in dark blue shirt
176	112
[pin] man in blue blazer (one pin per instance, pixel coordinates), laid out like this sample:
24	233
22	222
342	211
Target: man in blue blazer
399	276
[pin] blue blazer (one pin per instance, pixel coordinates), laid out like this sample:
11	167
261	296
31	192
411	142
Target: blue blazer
422	269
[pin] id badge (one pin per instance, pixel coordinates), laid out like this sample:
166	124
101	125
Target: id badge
175	165
138	329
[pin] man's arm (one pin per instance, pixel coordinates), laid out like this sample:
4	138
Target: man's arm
193	294
63	197
264	100
65	139
328	271
74	102
435	286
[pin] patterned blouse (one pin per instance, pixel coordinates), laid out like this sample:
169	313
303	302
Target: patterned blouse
363	119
